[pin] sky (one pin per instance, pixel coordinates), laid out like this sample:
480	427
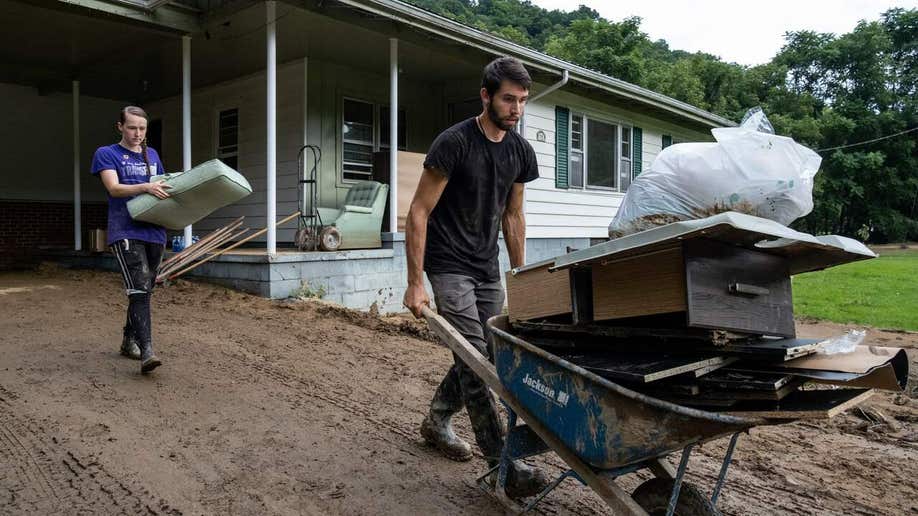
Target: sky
744	32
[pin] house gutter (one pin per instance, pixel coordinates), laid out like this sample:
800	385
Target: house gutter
444	27
558	85
564	77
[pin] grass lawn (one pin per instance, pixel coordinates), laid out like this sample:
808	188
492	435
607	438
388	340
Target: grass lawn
882	292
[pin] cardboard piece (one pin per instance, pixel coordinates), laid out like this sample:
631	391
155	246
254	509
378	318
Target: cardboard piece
866	366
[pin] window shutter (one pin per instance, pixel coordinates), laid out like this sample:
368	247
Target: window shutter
637	151
667	140
562	146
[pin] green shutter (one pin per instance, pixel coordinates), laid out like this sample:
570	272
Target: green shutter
562	144
667	140
637	151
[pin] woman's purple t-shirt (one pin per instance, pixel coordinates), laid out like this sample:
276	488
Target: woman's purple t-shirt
131	170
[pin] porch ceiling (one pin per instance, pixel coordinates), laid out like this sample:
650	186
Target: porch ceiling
46	48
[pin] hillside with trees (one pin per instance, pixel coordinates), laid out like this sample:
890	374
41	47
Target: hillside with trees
852	97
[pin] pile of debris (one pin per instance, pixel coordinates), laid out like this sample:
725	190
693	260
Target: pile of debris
700	313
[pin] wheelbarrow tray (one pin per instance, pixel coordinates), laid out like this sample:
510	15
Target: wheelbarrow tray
607	425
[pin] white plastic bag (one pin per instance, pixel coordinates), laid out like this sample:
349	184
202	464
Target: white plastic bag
749	170
844	344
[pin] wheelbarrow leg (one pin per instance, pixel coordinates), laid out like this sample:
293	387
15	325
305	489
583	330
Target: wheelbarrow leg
723	469
677	485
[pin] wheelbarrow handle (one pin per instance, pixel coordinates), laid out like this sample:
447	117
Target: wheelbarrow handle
461	347
611	493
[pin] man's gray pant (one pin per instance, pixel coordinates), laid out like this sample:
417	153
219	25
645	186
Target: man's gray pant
467	304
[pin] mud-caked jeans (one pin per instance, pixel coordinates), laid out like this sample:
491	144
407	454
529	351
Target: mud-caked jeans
138	261
467	304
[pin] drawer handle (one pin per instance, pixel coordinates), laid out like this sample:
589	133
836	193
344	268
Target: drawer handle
747	290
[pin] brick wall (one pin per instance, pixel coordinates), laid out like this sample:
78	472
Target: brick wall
27	227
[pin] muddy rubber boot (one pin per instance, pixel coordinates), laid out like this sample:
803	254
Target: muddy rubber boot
438	432
524	481
148	360
129	347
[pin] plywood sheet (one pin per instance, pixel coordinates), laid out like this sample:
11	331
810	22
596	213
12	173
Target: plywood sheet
410	167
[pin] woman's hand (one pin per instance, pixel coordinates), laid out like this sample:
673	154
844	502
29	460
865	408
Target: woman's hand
158	189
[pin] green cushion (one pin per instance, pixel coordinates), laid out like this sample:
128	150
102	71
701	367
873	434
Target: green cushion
362	194
194	195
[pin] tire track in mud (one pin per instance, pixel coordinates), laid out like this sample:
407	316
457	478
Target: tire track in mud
302	388
40	476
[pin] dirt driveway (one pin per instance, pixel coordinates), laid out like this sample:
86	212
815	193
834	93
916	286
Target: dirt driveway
267	407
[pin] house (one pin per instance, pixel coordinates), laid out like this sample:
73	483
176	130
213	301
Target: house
252	82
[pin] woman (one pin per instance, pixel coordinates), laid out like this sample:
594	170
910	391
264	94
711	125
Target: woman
126	169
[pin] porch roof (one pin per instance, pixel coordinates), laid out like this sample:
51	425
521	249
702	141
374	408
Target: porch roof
431	22
161	22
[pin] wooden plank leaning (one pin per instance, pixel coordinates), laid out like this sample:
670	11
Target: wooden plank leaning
237	244
210	236
618	500
213	245
201	250
190	253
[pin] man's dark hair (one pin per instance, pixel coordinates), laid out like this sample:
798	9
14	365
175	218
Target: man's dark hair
504	69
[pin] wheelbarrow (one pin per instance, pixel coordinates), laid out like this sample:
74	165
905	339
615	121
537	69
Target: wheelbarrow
600	429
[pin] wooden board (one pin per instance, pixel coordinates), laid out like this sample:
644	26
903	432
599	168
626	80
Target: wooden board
639	367
769	350
538	293
641	285
708	393
410	167
697	373
818	404
732	379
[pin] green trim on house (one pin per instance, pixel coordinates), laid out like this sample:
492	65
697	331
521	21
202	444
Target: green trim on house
562	134
637	151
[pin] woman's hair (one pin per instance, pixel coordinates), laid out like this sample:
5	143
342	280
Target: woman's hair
136	111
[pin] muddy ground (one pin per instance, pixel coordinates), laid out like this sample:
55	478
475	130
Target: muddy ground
267	407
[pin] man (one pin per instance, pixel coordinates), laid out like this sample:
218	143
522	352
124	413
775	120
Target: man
472	182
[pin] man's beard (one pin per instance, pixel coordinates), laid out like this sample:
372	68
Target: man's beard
495	118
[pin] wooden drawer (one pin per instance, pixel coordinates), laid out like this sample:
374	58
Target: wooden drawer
537	293
737	289
704	283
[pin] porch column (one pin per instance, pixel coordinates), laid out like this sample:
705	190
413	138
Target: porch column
77	201
186	116
271	152
393	135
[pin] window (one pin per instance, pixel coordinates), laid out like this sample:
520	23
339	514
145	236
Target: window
366	130
358	140
228	137
576	157
624	171
599	154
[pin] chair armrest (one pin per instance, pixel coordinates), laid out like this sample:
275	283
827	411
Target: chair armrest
358	209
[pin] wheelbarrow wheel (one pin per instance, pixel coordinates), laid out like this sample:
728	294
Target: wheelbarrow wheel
330	239
653	496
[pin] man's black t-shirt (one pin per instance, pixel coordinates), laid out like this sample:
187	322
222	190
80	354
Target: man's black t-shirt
462	229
